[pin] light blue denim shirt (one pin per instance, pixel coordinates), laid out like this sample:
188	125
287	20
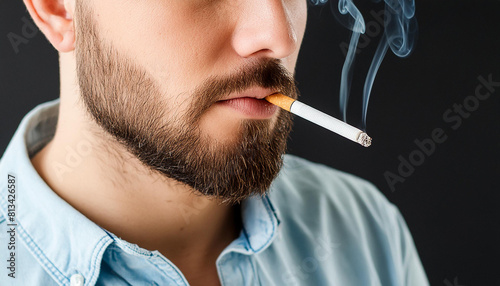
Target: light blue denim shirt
316	226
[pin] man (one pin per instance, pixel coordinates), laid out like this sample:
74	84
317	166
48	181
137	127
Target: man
161	164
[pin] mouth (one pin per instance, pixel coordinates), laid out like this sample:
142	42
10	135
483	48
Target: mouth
254	92
251	103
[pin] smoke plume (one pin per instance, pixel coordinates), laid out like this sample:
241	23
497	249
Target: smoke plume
400	29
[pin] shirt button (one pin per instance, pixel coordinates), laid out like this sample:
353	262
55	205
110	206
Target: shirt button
76	280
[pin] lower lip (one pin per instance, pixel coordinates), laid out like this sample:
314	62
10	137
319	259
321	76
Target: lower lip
252	107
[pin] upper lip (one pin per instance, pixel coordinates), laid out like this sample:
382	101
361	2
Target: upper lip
253	92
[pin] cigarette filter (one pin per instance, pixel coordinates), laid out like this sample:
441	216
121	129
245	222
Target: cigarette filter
322	119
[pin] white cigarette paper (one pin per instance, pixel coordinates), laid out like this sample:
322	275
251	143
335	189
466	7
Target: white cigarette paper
322	119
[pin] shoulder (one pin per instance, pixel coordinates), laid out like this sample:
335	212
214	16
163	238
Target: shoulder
308	183
324	211
314	200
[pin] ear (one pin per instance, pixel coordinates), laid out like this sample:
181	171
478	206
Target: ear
55	20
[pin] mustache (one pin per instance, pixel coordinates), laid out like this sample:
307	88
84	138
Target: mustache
270	74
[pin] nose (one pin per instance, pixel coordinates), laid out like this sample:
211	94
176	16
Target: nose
264	28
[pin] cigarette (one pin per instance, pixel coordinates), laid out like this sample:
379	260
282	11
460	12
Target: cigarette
322	119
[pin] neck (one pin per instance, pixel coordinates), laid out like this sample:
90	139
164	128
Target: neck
99	178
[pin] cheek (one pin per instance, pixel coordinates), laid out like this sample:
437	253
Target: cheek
298	16
176	42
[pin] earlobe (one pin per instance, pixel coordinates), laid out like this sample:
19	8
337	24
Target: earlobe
68	42
55	20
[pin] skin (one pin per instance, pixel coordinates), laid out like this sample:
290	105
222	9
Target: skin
179	44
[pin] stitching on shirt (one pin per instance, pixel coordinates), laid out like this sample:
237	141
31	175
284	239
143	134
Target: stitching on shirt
41	257
268	209
53	271
127	247
222	278
139	251
173	269
95	257
247	242
147	255
251	262
219	270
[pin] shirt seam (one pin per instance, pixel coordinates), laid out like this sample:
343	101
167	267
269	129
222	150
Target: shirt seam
251	262
95	257
219	270
42	257
140	252
268	210
36	251
148	255
168	264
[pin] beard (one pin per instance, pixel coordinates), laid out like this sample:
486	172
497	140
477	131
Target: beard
128	104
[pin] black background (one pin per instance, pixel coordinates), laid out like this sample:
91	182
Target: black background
450	201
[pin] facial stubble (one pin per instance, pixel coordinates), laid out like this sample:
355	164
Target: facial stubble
128	104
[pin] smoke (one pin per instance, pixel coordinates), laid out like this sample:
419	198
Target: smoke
399	35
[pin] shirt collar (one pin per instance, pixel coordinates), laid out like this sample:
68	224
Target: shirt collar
67	242
260	228
260	223
62	239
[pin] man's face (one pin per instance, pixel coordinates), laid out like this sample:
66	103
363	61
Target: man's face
153	73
